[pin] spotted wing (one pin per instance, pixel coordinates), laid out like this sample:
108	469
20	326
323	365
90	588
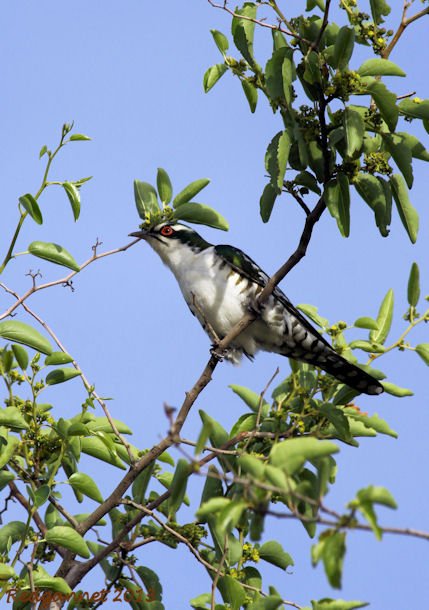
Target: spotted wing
243	264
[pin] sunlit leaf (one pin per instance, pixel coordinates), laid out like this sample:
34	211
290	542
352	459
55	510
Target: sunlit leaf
19	332
406	211
74	197
380	67
199	213
69	539
189	192
212	75
54	253
32	207
61	375
413	292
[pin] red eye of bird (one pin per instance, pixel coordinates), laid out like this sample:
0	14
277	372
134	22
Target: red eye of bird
167	231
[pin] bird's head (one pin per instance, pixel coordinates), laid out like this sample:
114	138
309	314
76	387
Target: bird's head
171	240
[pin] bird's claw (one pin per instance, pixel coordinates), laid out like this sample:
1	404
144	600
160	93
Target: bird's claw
256	308
217	353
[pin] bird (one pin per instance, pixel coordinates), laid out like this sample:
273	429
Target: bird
220	283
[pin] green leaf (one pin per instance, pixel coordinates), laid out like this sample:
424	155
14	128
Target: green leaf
291	454
230	515
365	500
52	583
21	355
189	192
339	421
41	495
54	253
266	202
86	485
95	447
12	418
212	75
178	488
402	155
213	485
8	450
273	552
337	198
380	67
102	424
379	9
279	74
308	180
141	483
11	533
146	201
5	477
373	422
221	41
58	358
331	548
43	151
413	292
251	93
384	319
423	351
74	197
232	592
19	332
199	213
276	159
374	194
343	48
417	149
366	322
243	31
212	506
61	375
336	604
7	572
79	137
415	108
163	183
279	40
253	400
151	582
385	101
354	128
252	465
406	211
395	390
311	312
32	207
270	602
69	539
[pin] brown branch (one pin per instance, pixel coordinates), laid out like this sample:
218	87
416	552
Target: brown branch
259	22
402	531
402	26
64	280
316	44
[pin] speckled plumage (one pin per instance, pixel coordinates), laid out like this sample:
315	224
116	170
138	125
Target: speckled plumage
220	283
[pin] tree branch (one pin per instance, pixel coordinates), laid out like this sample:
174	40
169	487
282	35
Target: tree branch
65	280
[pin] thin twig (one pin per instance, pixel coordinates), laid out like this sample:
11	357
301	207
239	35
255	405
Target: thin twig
62	281
260	22
402	26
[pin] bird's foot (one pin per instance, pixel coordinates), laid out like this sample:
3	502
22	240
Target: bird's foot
218	353
256	308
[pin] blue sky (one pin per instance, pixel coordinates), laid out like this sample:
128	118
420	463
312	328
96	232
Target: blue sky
130	75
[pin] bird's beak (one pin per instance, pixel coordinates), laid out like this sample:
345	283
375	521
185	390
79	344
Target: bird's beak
140	234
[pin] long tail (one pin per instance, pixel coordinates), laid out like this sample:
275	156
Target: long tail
321	354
